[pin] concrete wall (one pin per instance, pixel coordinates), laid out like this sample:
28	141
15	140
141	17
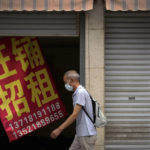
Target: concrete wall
94	59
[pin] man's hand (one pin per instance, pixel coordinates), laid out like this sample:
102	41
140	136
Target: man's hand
55	133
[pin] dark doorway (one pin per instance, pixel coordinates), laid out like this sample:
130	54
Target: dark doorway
61	54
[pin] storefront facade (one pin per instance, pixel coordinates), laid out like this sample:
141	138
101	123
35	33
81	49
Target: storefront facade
112	55
117	71
127	82
60	28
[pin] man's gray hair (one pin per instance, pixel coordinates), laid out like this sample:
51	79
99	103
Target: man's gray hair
72	74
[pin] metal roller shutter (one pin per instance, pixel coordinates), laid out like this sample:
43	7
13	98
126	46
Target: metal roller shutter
127	80
39	24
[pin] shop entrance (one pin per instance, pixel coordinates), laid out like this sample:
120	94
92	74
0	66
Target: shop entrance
61	54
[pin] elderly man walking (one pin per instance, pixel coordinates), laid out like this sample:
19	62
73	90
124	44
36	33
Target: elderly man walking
85	137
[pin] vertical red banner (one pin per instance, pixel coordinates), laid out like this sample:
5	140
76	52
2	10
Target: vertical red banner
28	97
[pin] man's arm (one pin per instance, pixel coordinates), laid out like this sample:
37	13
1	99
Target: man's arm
55	133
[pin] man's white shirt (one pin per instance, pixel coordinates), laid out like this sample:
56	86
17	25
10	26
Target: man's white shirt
84	126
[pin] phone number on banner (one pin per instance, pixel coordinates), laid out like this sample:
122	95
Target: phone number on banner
36	120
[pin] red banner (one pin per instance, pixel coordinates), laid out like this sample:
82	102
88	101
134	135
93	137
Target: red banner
28	97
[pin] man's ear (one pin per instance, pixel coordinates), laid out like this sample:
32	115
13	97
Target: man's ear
71	80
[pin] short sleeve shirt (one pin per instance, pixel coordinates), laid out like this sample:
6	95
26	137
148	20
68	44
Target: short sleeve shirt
84	126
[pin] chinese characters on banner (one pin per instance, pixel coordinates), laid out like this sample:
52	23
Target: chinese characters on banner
28	98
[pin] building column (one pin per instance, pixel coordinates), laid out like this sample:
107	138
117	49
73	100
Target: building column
94	59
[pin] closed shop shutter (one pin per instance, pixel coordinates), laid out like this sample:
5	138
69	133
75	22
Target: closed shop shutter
39	24
127	80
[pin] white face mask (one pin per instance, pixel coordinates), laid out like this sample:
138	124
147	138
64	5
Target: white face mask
68	87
